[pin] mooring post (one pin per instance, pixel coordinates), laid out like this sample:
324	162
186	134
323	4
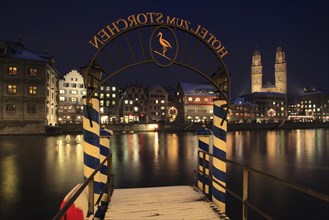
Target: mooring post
219	148
204	138
91	143
104	153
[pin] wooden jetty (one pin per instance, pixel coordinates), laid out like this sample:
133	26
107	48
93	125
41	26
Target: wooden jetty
169	202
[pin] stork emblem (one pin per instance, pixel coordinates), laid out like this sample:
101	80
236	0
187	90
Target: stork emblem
163	46
164	43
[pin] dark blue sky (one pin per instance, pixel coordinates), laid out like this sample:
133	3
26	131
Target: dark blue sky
63	28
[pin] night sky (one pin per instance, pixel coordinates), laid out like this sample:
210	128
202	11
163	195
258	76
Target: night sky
63	29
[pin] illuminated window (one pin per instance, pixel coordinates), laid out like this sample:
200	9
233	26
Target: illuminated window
107	103
156	101
206	99
126	101
74	92
107	88
131	102
197	99
113	95
84	92
62	98
101	102
32	90
73	99
31	109
162	107
113	102
33	72
62	91
102	88
113	88
11	89
12	70
162	101
107	95
190	99
101	95
11	108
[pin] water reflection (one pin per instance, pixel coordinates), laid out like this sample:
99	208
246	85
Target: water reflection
35	169
9	178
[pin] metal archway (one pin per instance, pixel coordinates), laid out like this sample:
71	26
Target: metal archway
216	72
118	54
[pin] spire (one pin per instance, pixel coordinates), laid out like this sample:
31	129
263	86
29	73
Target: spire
256	58
280	56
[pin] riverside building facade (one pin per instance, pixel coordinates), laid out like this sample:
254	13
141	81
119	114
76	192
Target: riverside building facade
194	102
134	105
158	104
71	91
29	89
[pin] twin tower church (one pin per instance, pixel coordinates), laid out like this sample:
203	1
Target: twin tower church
280	66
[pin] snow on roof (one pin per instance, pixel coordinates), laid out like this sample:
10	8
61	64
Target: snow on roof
268	93
16	50
202	89
241	101
316	92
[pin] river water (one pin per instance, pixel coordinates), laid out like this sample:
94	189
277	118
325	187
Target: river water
36	172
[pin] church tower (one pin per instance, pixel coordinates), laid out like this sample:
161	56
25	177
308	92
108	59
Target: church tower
256	72
280	71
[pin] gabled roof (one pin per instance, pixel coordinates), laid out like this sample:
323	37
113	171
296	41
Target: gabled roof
16	50
201	89
157	87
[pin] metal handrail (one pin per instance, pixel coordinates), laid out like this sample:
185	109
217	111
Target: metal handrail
87	182
244	197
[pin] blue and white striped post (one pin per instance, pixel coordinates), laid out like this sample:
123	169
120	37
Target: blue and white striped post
219	165
105	135
105	153
91	142
204	137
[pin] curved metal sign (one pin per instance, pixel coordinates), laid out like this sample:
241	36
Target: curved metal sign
156	18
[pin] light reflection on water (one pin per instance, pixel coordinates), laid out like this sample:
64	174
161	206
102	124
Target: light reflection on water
38	171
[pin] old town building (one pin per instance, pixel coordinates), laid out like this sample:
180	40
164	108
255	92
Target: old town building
71	91
271	106
158	104
28	94
194	102
134	105
242	111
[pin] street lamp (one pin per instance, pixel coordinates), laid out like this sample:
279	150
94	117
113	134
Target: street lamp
92	75
221	79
